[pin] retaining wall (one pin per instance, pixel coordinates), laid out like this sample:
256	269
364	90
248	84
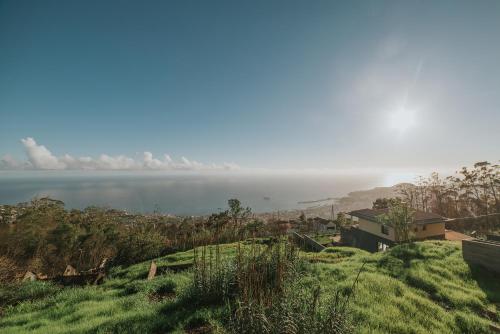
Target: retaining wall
484	253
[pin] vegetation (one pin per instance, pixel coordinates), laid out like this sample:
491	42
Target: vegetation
424	287
474	191
472	198
323	239
44	237
233	273
265	290
400	217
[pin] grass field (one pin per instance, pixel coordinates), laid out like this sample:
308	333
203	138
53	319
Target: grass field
323	239
421	288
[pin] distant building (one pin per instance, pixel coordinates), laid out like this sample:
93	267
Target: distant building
320	225
367	232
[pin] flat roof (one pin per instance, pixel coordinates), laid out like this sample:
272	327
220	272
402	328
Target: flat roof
420	217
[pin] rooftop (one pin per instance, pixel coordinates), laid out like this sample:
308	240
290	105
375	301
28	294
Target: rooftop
420	217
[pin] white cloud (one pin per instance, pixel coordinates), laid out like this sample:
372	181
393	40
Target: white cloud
119	162
40	158
8	162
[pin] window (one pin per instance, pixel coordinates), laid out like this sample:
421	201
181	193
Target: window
424	227
384	229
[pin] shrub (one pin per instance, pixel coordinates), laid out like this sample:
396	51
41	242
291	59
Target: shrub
8	270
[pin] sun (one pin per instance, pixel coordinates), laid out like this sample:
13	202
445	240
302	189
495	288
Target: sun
402	120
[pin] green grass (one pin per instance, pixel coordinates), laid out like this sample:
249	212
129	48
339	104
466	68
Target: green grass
421	288
323	239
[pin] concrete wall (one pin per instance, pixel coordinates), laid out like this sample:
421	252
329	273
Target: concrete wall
365	240
376	229
431	230
482	253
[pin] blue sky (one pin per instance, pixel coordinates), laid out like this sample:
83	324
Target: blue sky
262	84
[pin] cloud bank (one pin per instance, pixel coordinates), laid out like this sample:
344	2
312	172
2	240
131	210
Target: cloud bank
40	158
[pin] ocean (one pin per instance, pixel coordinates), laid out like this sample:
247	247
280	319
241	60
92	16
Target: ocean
179	194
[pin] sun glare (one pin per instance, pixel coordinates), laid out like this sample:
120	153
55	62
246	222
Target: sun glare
402	120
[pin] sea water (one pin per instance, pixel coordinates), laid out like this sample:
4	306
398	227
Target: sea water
180	194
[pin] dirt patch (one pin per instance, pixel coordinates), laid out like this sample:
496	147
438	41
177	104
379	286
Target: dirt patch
158	297
456	236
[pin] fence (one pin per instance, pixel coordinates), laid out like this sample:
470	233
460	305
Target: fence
307	242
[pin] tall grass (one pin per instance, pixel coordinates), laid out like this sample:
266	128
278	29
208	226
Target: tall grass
266	290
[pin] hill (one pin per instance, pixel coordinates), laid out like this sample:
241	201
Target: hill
354	200
425	287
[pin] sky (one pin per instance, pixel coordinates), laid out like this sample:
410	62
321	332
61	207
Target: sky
231	85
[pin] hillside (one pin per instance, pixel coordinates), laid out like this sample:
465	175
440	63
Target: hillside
422	288
354	200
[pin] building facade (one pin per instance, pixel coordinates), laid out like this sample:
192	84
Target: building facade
367	232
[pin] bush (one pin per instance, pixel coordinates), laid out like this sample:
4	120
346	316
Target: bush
8	270
140	246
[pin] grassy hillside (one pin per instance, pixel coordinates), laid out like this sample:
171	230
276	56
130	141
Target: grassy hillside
420	288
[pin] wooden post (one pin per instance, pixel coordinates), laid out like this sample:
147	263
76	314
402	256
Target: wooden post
152	271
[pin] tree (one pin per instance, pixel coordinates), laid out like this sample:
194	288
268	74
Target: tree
219	220
474	191
254	226
400	217
302	217
238	213
385	203
341	220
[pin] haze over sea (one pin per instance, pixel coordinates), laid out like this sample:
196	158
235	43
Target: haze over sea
183	193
